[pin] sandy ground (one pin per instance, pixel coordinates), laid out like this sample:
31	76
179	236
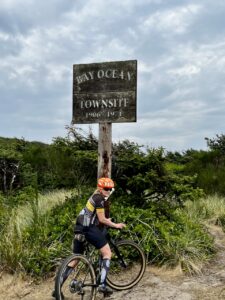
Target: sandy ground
157	284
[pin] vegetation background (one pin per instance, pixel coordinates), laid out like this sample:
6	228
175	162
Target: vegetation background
166	198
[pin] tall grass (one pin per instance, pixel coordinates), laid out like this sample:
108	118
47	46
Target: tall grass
192	251
207	210
24	215
180	241
12	249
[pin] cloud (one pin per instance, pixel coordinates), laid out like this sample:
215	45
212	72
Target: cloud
172	21
179	45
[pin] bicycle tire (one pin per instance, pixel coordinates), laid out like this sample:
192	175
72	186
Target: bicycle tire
121	277
80	283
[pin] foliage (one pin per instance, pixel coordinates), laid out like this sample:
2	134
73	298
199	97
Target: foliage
43	241
218	143
67	162
137	172
10	158
210	209
72	161
4	213
149	182
158	194
207	166
172	240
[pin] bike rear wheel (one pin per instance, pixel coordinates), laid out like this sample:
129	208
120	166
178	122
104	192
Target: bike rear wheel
127	266
79	282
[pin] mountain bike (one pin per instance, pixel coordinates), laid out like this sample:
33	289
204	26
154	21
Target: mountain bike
127	267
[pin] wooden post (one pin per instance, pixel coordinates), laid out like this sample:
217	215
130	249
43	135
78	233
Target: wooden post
105	93
105	150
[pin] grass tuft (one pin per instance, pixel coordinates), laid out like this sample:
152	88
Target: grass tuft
208	210
12	249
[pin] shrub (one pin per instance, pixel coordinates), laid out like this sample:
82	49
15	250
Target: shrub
168	236
170	240
40	239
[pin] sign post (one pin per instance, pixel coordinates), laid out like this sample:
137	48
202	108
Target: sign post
105	150
105	93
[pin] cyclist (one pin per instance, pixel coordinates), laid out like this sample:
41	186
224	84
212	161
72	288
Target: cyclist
89	222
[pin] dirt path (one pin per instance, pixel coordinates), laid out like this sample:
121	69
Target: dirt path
157	284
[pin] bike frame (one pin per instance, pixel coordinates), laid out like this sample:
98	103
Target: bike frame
97	269
89	265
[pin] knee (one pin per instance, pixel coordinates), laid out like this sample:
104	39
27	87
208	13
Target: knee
106	252
109	254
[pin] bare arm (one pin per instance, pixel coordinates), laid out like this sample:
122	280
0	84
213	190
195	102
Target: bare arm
102	219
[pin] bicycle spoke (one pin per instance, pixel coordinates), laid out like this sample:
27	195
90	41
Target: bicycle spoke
127	265
80	284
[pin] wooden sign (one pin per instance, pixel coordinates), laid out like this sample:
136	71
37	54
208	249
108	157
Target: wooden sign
105	92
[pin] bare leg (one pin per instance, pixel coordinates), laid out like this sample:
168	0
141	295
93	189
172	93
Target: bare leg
106	252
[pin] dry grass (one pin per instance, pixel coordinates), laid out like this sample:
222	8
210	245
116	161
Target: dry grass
11	240
23	215
208	210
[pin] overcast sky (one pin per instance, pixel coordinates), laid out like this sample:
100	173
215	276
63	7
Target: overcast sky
179	46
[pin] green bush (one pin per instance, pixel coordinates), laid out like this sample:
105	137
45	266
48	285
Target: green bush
4	212
209	169
170	240
38	246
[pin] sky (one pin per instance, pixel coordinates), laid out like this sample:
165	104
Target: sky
179	46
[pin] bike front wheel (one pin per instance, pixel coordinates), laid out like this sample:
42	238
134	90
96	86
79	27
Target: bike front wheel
76	282
127	266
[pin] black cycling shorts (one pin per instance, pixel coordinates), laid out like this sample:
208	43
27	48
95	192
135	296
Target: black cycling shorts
93	235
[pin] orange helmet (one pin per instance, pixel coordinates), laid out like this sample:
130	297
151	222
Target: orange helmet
105	183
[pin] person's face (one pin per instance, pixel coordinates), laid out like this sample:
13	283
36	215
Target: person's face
106	191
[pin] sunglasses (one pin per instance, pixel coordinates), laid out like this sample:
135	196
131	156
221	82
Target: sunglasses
107	189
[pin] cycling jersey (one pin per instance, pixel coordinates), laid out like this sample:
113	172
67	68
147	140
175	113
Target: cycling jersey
88	215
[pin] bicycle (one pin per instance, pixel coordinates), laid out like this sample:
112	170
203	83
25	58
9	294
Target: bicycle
127	267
